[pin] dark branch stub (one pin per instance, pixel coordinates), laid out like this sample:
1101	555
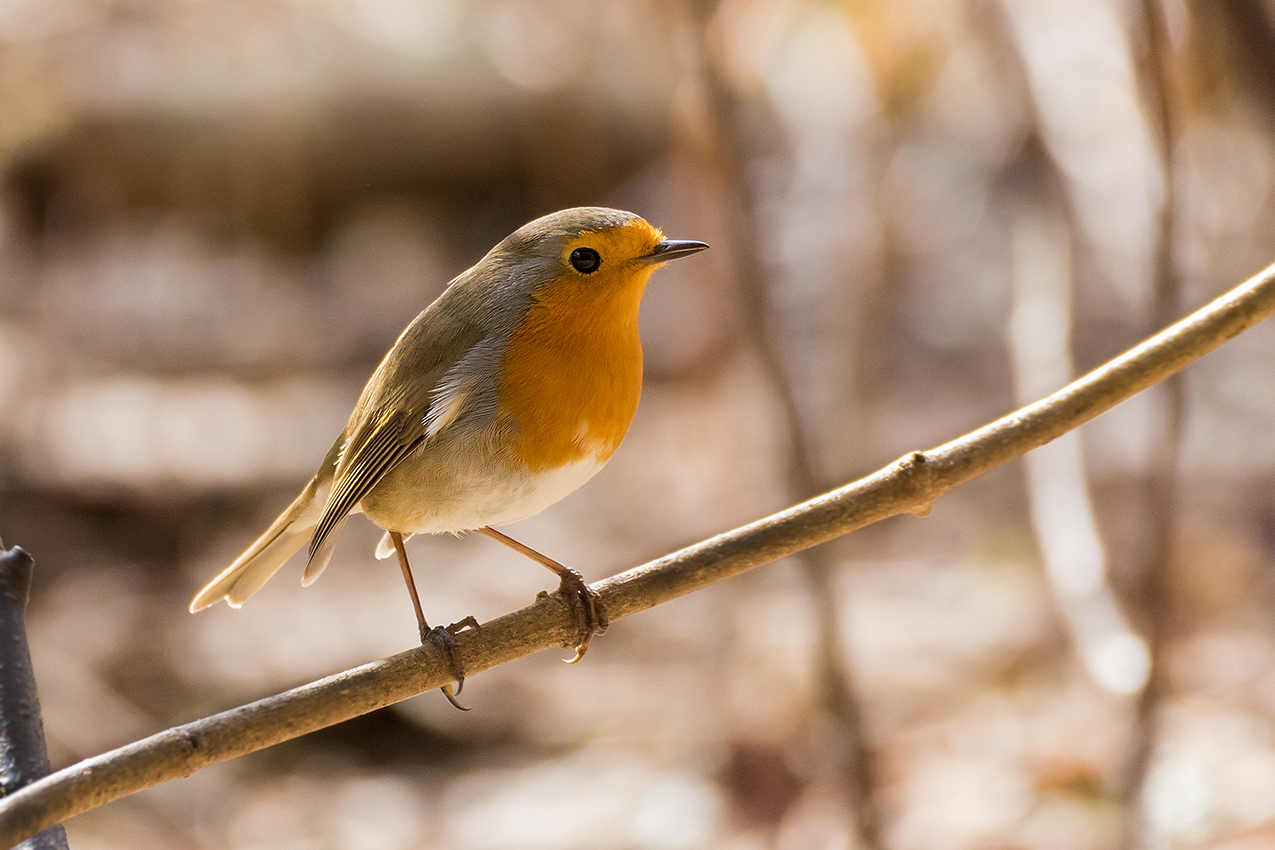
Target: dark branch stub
24	757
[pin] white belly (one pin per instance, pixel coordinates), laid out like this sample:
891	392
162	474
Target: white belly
496	498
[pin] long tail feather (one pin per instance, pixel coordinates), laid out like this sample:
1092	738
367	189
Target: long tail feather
319	559
263	558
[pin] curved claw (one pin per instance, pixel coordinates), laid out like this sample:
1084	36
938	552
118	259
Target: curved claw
468	623
446	641
447	692
591	616
580	651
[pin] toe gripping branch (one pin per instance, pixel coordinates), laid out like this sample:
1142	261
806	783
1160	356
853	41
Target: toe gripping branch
591	614
444	637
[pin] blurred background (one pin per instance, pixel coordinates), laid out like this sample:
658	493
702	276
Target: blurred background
216	216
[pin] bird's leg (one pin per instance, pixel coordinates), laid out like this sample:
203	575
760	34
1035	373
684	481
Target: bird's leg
591	614
439	636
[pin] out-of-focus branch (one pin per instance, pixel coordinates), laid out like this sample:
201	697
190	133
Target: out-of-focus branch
909	485
1062	513
24	756
1061	507
1151	592
1251	26
836	690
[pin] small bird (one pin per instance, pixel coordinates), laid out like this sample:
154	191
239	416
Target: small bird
503	396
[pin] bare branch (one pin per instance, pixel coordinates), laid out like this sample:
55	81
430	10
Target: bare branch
909	485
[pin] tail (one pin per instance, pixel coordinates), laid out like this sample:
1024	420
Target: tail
263	559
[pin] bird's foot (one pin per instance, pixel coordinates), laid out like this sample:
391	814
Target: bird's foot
591	614
444	637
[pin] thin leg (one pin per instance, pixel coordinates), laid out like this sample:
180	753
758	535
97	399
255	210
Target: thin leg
440	636
591	615
411	584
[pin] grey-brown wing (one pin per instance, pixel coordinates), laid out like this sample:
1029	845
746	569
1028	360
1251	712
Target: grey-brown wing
369	454
437	375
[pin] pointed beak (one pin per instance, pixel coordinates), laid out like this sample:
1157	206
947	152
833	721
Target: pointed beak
671	249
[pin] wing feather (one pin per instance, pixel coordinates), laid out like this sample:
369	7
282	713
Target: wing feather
445	384
364	461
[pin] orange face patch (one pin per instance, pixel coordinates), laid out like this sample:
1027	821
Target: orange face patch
618	247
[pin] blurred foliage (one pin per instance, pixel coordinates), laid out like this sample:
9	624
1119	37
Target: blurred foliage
216	215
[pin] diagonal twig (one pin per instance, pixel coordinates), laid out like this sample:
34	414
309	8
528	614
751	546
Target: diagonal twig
910	485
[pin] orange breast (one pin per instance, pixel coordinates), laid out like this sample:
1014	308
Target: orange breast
573	372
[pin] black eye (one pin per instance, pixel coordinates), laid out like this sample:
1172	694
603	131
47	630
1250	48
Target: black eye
585	260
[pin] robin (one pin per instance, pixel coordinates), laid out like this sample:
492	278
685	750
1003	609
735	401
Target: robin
506	394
